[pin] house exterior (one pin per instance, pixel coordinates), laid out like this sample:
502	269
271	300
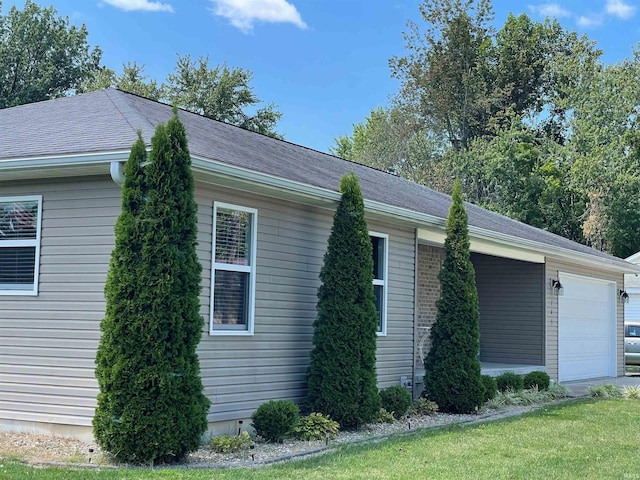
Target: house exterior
60	169
632	287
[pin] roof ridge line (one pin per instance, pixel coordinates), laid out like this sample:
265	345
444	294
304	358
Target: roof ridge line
120	106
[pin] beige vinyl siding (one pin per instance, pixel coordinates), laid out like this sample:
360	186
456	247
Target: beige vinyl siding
554	266
48	342
242	372
395	350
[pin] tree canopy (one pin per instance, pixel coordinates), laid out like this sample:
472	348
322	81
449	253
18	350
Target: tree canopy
527	116
42	56
220	92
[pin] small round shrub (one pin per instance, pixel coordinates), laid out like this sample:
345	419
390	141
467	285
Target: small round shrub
385	417
316	426
423	406
229	444
490	387
509	381
275	419
396	400
537	379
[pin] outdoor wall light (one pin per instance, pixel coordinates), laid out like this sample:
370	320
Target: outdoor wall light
624	296
558	289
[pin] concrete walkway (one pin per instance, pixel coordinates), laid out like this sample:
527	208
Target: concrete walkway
579	388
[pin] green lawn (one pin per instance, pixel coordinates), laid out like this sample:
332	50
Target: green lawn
584	439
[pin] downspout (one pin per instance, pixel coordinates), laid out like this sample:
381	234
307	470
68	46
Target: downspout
117	172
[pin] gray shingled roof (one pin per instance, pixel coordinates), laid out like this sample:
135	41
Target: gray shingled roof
107	121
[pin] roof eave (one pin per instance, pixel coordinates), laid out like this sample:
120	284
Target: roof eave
413	217
99	163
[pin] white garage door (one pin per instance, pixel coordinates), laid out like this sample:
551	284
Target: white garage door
586	328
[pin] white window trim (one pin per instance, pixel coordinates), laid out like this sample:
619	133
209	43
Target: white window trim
251	269
383	282
33	291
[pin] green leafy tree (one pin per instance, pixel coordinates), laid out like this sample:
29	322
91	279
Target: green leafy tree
452	371
342	370
523	175
521	116
152	404
221	93
392	140
622	224
132	79
441	73
42	56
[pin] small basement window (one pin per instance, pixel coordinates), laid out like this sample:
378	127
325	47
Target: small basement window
20	220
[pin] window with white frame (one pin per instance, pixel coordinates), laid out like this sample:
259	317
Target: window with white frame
233	272
379	242
20	220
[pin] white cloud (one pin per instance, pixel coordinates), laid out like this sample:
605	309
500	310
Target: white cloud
620	9
589	21
244	13
142	5
550	10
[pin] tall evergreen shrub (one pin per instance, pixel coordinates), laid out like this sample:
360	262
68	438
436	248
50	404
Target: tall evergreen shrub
452	371
342	370
151	407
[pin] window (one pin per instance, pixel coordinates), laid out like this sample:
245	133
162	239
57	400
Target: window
233	272
20	219
633	331
379	243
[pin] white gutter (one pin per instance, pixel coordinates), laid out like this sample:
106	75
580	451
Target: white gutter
301	189
31	163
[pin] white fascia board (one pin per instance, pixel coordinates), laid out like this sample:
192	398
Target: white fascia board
480	245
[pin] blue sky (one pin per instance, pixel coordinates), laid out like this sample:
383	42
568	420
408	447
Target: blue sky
323	63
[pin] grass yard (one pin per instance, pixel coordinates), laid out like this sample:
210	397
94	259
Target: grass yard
596	439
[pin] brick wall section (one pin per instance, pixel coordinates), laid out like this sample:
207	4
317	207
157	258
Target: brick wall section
429	263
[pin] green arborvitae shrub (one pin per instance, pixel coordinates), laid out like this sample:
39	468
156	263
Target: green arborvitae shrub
275	419
537	379
509	381
151	407
342	369
316	426
490	387
452	370
396	399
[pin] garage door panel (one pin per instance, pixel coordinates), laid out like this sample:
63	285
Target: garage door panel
586	328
